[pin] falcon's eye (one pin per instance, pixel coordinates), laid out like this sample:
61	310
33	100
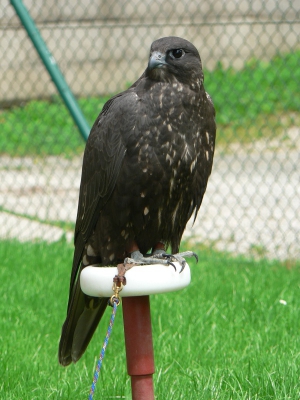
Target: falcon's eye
177	53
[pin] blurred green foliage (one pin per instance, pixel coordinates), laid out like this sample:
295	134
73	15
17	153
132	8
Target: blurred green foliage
259	100
259	88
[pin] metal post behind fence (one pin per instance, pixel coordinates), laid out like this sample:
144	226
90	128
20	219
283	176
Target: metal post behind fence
52	67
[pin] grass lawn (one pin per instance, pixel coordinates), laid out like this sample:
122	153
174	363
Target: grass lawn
226	336
259	101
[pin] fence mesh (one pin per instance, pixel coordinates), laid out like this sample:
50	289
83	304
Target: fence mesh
250	51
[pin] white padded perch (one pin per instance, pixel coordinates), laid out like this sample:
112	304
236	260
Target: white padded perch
140	280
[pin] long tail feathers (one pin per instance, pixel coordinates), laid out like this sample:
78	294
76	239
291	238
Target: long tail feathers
83	316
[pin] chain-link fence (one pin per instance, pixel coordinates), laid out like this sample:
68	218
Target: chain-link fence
250	51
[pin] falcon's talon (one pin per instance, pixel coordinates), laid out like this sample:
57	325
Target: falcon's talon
179	257
182	266
138	258
196	257
173	265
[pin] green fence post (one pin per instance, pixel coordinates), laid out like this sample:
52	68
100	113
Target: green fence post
52	67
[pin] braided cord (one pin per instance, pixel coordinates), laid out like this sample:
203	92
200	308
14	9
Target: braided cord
99	363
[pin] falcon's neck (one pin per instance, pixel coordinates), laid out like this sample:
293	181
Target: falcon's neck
162	75
164	80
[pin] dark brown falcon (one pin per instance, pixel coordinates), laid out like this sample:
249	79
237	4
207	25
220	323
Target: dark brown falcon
145	171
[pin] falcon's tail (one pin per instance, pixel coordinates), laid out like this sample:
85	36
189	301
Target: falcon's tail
83	316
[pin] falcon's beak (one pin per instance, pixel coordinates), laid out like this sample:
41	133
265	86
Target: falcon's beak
157	60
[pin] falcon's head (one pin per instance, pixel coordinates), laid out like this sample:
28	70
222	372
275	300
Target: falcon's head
173	57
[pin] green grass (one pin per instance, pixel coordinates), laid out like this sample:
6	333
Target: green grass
45	127
260	100
226	336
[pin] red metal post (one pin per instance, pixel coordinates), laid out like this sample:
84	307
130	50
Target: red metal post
139	346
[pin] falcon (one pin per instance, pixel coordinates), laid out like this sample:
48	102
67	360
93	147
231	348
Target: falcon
145	170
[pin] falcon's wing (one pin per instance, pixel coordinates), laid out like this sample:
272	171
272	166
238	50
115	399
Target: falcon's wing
103	157
205	158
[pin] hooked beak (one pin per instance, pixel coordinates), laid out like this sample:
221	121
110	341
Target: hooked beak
157	60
